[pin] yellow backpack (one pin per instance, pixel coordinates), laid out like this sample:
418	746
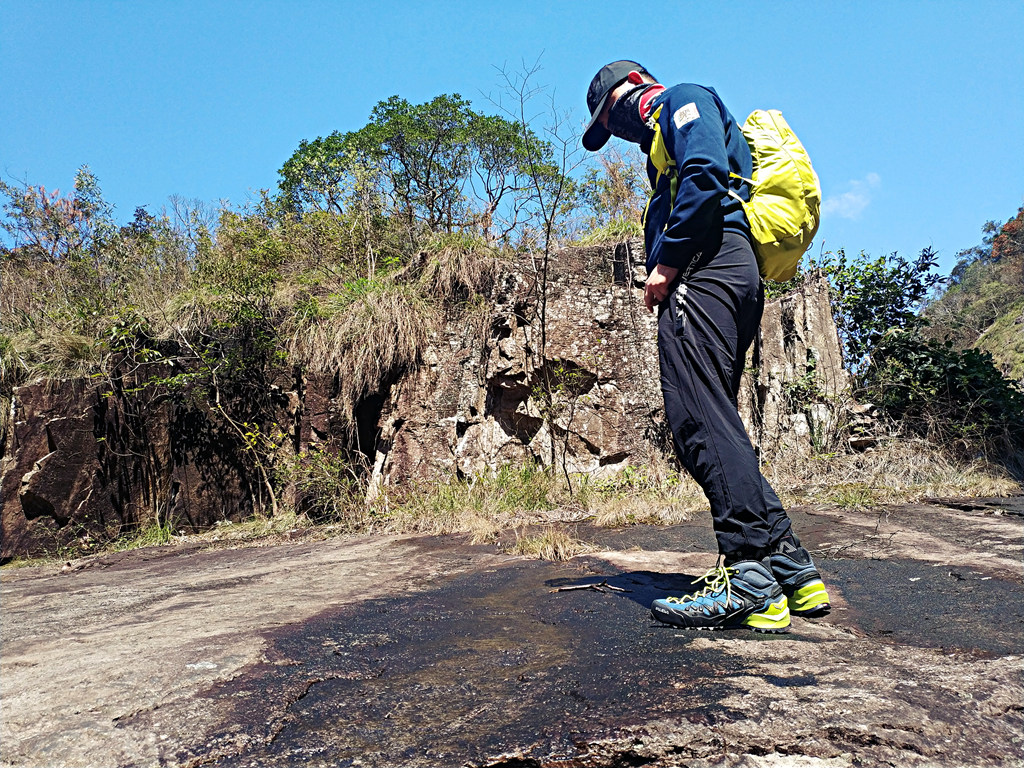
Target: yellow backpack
785	196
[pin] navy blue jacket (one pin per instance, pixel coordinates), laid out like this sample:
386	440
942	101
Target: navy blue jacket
706	144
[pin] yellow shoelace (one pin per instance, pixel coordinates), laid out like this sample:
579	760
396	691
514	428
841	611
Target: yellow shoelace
714	579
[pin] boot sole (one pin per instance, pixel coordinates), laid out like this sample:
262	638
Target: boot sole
774	619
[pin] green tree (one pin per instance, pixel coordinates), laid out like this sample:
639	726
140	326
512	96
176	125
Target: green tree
97	215
56	228
500	165
871	297
437	166
61	270
318	172
423	152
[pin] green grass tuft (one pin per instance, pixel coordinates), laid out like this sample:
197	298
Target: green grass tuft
613	232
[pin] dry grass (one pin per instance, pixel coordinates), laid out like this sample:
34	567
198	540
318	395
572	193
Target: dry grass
56	353
897	471
551	543
457	267
481	506
365	338
189	313
56	311
5	421
13	367
366	331
614	232
654	495
513	496
667	508
528	499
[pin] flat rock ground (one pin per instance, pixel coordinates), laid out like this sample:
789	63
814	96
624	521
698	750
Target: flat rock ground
413	651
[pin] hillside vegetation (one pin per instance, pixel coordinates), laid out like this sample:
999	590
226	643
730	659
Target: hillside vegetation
983	305
922	348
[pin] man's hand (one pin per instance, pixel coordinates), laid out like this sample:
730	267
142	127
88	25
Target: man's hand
658	283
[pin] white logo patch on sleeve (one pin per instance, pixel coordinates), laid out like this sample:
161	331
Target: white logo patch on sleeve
685	114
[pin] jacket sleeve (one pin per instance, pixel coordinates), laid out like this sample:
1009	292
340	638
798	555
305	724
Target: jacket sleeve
696	140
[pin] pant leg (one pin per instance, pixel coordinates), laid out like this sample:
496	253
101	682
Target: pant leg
748	327
704	330
779	523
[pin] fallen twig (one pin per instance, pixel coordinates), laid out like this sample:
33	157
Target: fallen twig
600	586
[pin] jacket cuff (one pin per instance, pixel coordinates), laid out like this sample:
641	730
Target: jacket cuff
677	258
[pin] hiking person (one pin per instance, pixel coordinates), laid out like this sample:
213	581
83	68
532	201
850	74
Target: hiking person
703	277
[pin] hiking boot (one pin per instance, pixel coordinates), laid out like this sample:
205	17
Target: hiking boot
800	581
744	594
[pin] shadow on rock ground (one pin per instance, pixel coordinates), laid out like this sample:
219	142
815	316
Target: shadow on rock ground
430	652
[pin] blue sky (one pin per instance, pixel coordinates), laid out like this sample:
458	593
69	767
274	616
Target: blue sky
912	111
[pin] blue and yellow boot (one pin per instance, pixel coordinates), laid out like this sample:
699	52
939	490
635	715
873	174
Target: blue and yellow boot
800	581
744	594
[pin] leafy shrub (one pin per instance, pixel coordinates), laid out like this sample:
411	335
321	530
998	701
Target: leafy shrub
329	491
943	392
933	387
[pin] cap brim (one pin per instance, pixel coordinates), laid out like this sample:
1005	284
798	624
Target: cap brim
596	135
595	138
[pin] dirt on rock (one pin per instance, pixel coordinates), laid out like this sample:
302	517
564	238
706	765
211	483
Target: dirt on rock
429	651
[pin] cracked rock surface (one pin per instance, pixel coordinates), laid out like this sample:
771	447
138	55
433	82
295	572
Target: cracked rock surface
427	651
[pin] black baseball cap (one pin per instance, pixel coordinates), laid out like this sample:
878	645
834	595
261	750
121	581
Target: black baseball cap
610	75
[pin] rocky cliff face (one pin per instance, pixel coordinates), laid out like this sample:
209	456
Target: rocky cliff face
571	381
580	391
795	394
85	462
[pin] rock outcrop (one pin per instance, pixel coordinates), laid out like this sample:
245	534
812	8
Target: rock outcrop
795	393
86	462
566	376
571	382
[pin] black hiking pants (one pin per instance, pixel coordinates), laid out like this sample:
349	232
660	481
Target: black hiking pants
705	327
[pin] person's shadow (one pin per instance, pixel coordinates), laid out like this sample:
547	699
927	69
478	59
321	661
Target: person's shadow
642	587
